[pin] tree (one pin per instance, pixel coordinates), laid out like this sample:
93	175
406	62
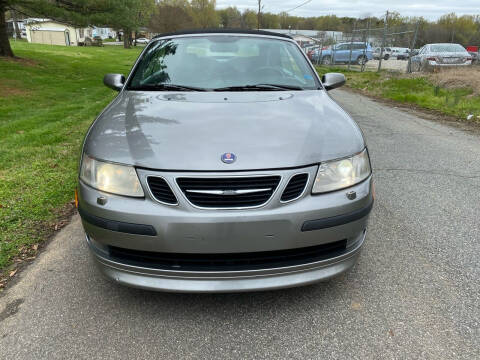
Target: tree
270	21
129	16
204	14
230	17
171	16
5	49
249	19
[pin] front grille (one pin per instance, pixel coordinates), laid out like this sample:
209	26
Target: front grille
161	190
295	187
235	192
228	262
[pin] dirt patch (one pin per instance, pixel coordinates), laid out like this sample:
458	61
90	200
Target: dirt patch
19	60
458	78
9	88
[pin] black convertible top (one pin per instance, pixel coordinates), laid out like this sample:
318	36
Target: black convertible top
224	31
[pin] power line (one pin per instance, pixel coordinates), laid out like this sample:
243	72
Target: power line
296	7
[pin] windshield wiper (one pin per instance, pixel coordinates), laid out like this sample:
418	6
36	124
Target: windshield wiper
174	87
268	87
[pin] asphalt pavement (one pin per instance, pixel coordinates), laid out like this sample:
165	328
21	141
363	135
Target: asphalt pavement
414	294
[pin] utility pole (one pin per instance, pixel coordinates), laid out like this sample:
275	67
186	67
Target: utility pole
383	42
365	45
351	44
412	46
259	14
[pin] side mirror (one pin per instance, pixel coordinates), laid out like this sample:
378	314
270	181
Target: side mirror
333	80
114	81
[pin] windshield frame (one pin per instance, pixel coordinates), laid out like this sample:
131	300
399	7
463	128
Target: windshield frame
316	78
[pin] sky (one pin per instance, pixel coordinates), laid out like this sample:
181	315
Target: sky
429	9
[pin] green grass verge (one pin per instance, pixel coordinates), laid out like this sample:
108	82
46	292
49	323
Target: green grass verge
46	106
420	91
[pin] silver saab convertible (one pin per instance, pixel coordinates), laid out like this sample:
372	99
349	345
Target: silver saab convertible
224	165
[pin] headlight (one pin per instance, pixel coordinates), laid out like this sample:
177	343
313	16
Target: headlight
112	178
340	174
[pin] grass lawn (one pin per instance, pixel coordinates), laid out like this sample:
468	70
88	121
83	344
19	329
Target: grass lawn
420	89
47	102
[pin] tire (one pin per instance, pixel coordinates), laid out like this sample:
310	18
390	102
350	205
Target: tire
326	60
424	68
386	57
361	60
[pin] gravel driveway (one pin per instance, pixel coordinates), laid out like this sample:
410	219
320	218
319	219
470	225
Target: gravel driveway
415	293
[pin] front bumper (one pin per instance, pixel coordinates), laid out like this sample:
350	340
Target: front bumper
306	222
238	281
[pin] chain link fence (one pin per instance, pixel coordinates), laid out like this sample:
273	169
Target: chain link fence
367	48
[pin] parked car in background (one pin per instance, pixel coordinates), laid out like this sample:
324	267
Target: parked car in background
142	41
387	52
400	53
340	53
435	56
97	41
167	206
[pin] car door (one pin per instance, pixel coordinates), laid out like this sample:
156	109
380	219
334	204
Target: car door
341	53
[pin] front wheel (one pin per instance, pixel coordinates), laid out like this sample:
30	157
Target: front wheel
361	60
386	57
326	60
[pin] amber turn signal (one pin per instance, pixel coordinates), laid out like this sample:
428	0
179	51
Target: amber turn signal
76	199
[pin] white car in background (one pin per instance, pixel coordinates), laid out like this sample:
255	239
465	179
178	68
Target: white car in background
432	57
387	52
142	41
400	53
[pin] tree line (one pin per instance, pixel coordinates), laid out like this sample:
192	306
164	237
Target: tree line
173	15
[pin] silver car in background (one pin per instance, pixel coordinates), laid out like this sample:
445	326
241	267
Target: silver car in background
224	165
432	57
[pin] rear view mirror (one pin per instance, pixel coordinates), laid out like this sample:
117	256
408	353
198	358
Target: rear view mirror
333	80
114	81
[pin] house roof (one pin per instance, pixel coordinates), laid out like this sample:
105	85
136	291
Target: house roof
224	31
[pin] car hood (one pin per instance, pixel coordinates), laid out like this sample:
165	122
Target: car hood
191	130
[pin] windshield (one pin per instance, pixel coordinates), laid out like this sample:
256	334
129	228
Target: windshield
216	62
447	48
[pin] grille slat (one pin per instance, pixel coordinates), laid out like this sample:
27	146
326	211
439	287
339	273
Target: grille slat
226	201
295	187
161	190
229	262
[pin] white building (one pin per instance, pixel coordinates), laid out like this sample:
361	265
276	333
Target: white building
45	31
104	33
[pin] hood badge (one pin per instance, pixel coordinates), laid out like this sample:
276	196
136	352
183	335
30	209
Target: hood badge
229	158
